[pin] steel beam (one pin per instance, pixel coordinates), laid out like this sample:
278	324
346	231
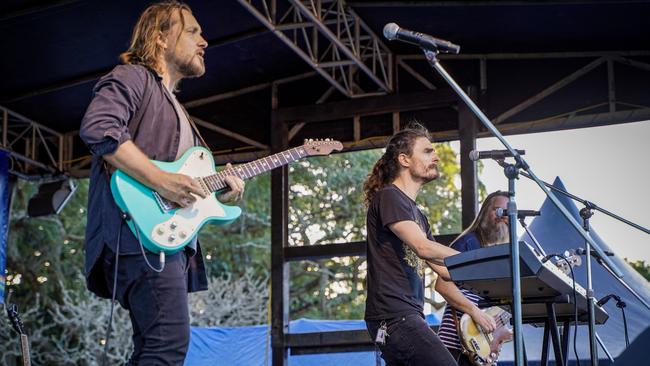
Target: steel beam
530	55
549	90
611	86
20	131
366	106
351	47
226	132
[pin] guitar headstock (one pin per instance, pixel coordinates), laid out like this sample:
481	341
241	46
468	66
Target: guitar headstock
321	147
14	318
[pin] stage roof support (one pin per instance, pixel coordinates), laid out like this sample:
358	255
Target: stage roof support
351	46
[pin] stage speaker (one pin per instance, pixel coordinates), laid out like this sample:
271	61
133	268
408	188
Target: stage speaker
637	353
51	198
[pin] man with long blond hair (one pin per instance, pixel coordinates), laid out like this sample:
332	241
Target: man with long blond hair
400	244
133	117
486	230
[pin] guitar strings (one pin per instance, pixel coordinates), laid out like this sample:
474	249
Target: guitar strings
217	181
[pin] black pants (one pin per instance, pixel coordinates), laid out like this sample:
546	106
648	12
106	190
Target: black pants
411	342
460	358
157	305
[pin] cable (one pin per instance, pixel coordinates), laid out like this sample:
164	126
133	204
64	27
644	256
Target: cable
110	317
144	255
621	305
125	217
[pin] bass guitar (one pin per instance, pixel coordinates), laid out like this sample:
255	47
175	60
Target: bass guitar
479	344
161	225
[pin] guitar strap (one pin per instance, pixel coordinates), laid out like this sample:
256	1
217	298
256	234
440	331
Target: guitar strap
464	350
196	130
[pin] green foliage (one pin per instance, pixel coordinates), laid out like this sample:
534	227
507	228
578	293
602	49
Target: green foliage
641	267
45	255
326	206
44	252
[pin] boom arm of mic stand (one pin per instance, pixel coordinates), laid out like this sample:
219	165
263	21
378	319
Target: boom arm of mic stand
576	198
432	58
588	203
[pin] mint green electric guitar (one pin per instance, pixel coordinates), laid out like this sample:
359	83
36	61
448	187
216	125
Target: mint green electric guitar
164	226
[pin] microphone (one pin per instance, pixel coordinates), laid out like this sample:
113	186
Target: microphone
393	32
492	154
605	299
501	212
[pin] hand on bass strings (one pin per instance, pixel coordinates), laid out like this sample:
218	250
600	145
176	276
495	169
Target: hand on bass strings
485	321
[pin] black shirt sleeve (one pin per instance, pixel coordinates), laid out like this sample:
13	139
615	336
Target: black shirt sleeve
394	207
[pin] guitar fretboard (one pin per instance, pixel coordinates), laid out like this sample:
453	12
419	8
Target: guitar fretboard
216	181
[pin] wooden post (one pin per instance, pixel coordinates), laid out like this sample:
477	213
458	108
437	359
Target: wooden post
467	130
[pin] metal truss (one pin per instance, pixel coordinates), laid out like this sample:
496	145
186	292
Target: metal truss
600	58
331	38
35	148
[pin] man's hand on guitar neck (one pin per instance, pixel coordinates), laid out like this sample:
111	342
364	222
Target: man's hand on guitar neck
236	185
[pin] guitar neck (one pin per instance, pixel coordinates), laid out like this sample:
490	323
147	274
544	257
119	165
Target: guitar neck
216	182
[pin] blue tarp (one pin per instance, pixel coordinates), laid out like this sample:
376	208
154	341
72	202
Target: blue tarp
4	219
250	345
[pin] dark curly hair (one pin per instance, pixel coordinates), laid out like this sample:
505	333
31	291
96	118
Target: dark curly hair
387	167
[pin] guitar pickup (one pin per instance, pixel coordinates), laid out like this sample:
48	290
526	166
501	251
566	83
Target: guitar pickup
164	204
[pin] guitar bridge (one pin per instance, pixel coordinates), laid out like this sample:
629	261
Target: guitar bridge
164	204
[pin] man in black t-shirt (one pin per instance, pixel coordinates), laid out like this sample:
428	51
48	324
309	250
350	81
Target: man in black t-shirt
400	244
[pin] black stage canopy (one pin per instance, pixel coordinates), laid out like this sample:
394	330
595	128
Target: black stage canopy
327	71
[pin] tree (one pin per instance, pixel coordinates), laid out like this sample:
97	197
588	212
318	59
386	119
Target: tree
641	267
45	257
326	206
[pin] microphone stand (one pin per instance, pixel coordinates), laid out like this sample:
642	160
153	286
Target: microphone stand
586	213
432	57
511	171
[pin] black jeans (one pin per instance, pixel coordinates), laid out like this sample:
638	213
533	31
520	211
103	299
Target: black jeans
461	358
157	305
410	342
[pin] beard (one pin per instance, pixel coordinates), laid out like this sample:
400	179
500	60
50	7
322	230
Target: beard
190	68
495	234
426	174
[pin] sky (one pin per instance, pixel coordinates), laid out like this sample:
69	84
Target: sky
609	166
